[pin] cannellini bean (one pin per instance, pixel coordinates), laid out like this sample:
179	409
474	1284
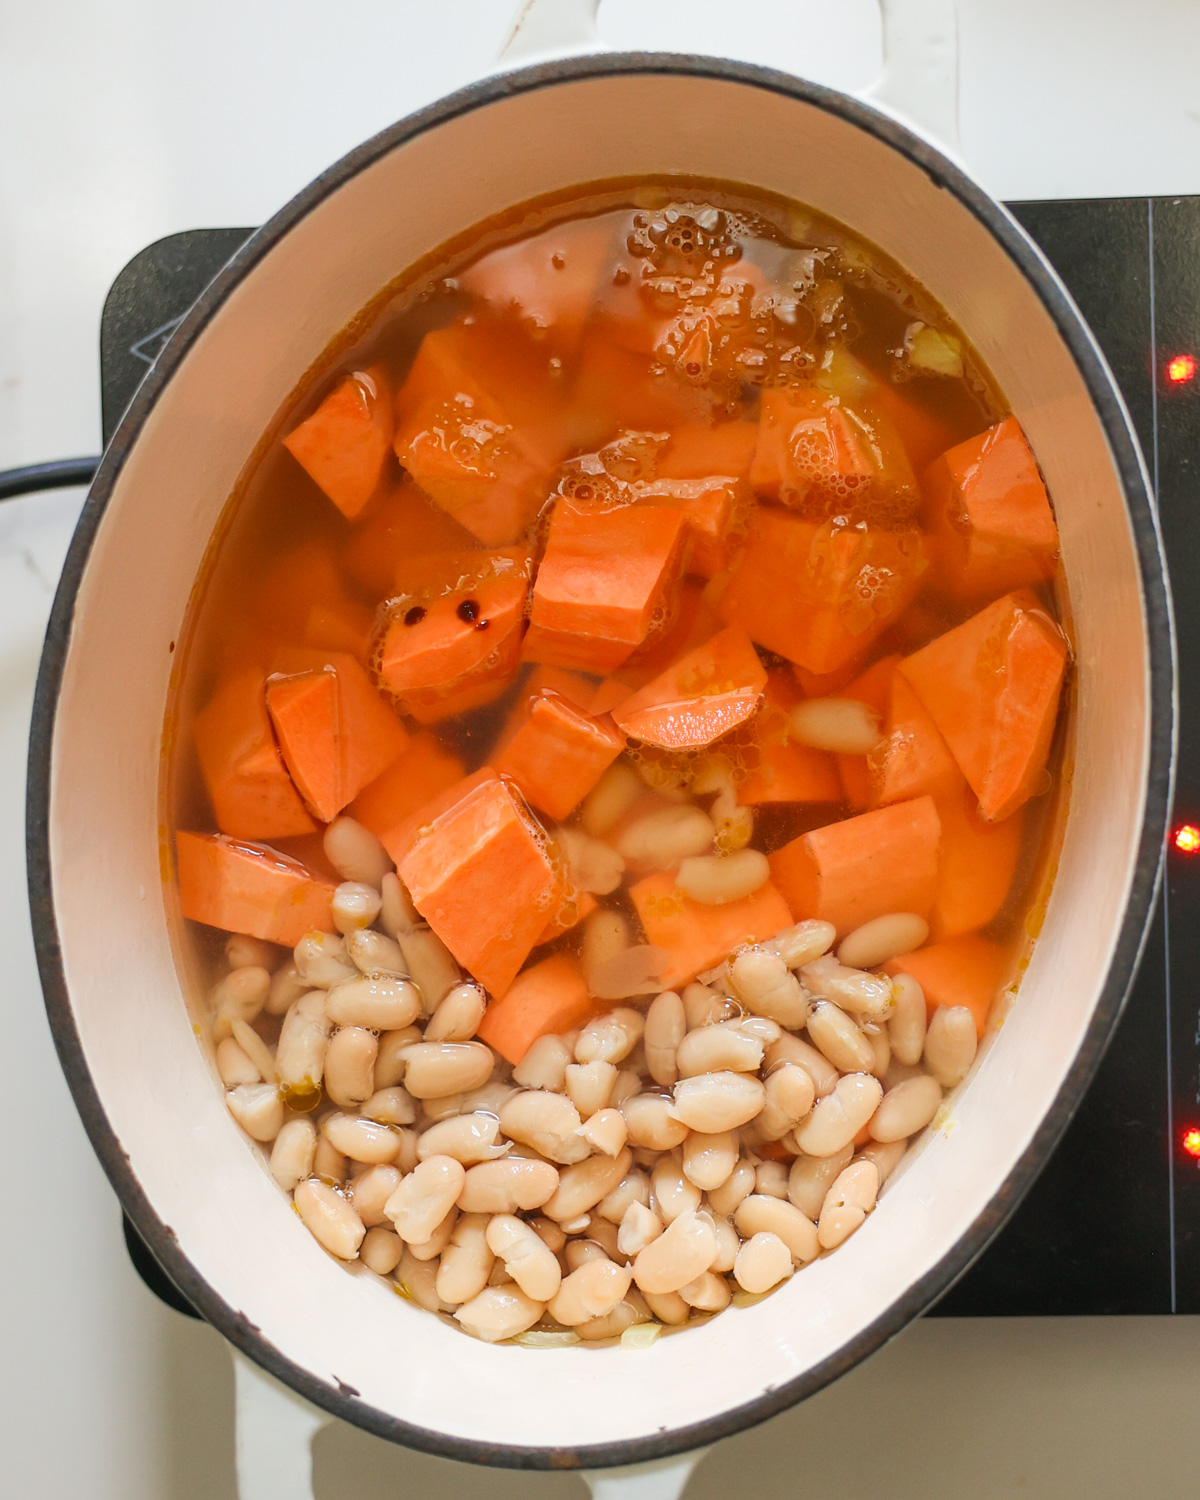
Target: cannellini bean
610	1038
361	1140
466	1261
329	1218
499	1312
528	1260
734	825
321	960
292	1154
771	1179
243	952
633	1188
544	1066
610	799
381	1250
811	1178
287	985
509	1186
840	1039
881	1049
868	996
709	1293
726	1196
790	1094
715	879
605	934
632	971
714	1102
381	1004
906	1027
727	1243
390	1106
590	1292
672	1193
370	1192
660	839
406	1152
328	1163
435	1069
639	1226
467	1138
838	1118
431	1248
628	1083
419	1279
719	1048
234	1065
550	1233
767	986
667	1307
594	866
844	725
257	1108
255	1049
762	1262
684	1250
428	961
354	906
589	1085
425	1197
350	1066
355	853
582	1186
458	1015
397	914
375	954
240	995
800	944
950	1044
791	1049
876	942
581	1252
887	1156
666	1027
708	1160
704	1007
547	1122
652	1123
390	1063
847	1203
605	1131
762	1214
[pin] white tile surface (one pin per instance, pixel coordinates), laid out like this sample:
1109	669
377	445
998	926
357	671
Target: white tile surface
128	121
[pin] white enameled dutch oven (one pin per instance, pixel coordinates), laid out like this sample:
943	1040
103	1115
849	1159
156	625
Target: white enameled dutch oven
104	907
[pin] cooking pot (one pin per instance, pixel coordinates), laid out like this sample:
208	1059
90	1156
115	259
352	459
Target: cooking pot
105	911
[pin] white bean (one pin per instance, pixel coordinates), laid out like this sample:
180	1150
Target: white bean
397	914
633	1188
950	1044
660	839
790	1096
242	952
719	1048
726	1196
762	1262
727	1243
838	1118
321	960
499	1312
354	906
800	944
287	985
381	1004
639	1226
667	1307
708	1160
840	1039
906	1028
846	726
847	1203
329	1218
666	1027
329	1164
628	1083
610	1038
714	879
886	1156
771	1179
292	1154
258	1109
652	1123
672	1192
255	1049
718	1101
582	1186
390	1106
605	1131
762	1213
610	799
881	1047
767	986
458	1015
704	1006
589	1085
381	1250
709	1293
884	938
684	1250
240	996
790	1049
435	1069
810	1179
581	1252
868	996
425	1197
431	1248
350	1066
605	934
406	1153
905	1109
734	825
508	1186
374	954
466	1261
370	1191
528	1260
631	972
428	961
467	1138
418	1279
355	853
359	1139
544	1066
390	1064
234	1065
547	1122
593	866
590	1292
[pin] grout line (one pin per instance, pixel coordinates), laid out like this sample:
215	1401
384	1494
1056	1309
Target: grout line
1166	908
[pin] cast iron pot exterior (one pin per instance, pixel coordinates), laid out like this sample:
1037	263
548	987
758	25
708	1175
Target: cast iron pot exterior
56	837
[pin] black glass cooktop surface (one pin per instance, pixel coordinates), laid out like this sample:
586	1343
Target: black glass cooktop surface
1113	1223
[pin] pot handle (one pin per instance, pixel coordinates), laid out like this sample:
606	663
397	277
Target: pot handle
918	85
274	1430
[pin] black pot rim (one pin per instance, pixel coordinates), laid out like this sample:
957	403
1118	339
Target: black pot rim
342	1401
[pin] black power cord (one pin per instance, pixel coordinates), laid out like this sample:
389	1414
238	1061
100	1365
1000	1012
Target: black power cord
58	475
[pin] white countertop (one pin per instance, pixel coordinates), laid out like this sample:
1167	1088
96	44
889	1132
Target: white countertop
125	122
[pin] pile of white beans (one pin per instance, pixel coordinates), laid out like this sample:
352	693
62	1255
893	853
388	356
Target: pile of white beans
646	1169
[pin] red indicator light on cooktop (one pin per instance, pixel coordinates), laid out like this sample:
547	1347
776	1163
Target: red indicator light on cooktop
1181	368
1187	838
1191	1141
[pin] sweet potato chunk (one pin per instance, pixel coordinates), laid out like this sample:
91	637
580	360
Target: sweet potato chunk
479	873
421	772
400	523
543	1001
709	506
700	451
700	698
344	444
696	936
968	971
556	752
991	685
243	887
913	759
784	771
851	872
976	866
872	687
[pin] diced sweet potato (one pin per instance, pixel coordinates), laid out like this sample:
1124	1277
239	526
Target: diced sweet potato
344	444
252	795
343	626
543	1001
976	865
851	872
694	622
923	434
334	730
480	875
968	971
991	685
699	451
784	771
604	575
700	698
615	389
243	887
401	835
872	687
696	936
820	593
913	759
570	913
421	772
401	522
709	506
990	516
557	752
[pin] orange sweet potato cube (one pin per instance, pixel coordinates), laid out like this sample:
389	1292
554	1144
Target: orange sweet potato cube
976	866
696	936
968	971
557	752
345	443
421	771
699	698
248	888
547	999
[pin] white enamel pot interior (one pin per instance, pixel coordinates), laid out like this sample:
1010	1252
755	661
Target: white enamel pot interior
104	910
